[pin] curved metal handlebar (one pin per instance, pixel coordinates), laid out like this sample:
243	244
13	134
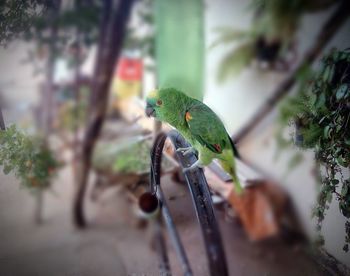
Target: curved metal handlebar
201	198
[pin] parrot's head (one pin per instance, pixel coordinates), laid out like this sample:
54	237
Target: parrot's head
165	104
153	103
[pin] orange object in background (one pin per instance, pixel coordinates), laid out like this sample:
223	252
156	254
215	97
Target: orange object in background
128	78
260	208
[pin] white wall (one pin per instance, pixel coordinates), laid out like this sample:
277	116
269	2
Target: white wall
18	83
237	99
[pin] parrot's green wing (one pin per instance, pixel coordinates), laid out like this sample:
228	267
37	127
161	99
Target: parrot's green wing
206	127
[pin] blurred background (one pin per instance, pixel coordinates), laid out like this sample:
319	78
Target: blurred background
75	141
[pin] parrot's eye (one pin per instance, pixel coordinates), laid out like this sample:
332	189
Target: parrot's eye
159	102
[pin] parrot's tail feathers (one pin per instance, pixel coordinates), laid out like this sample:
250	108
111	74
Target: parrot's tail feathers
237	186
236	183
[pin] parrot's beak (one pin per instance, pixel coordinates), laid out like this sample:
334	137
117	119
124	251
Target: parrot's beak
150	112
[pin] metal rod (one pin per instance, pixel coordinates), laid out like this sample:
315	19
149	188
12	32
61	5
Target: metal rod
156	159
174	235
204	209
164	265
201	199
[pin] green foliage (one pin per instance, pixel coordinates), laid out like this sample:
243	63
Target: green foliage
131	156
145	42
235	61
28	158
16	17
270	37
72	115
83	18
57	29
239	56
31	20
320	112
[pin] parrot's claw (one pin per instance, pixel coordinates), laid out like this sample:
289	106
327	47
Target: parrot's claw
186	151
183	149
194	166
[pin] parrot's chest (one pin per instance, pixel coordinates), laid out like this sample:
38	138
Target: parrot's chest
205	154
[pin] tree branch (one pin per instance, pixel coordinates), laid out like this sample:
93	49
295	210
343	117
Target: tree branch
113	25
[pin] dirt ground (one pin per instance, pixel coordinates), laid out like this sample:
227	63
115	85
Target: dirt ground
113	245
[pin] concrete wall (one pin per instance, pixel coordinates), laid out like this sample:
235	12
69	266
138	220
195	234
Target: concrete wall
237	99
18	81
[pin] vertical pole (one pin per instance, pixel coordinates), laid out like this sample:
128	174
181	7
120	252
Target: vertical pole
2	122
179	45
53	13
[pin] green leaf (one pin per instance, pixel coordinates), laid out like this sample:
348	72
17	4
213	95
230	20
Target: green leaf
341	91
335	181
313	99
326	74
329	197
229	35
326	132
341	161
7	169
344	190
235	61
321	100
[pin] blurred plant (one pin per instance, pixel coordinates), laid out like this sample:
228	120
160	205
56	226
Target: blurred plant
320	112
28	157
72	114
271	38
63	32
31	20
131	156
16	17
138	40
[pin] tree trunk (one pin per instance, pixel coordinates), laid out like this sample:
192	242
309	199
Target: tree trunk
2	122
77	99
328	31
113	25
39	202
53	12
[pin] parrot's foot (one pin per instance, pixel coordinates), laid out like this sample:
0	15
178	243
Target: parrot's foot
183	149
186	151
195	165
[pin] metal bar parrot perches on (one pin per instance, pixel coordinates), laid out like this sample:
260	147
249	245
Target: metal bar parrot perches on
201	198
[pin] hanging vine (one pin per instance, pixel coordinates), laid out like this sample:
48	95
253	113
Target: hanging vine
320	114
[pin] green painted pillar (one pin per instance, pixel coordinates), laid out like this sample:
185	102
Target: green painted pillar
180	45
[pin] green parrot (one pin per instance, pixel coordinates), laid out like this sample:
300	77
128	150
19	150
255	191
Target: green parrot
199	125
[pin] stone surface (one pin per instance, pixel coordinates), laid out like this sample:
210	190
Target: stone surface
112	245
